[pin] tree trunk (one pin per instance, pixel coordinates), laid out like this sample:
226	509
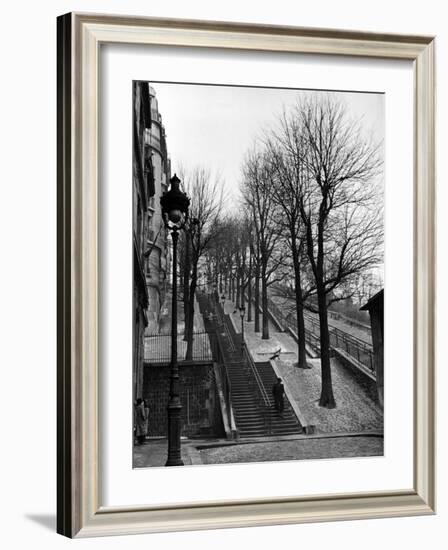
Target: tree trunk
238	291
190	325
301	349
257	299
249	291
186	280
264	305
326	396
243	284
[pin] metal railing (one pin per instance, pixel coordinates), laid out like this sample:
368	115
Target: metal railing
209	309
355	347
338	316
224	376
226	330
157	347
256	384
288	320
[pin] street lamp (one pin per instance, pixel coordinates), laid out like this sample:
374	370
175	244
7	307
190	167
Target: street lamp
174	205
223	303
242	313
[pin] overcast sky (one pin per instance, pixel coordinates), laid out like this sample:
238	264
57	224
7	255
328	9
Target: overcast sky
214	126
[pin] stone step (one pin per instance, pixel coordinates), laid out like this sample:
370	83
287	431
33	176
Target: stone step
255	433
244	407
246	418
243	397
256	420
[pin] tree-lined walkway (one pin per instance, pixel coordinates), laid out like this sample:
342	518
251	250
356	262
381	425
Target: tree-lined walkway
356	411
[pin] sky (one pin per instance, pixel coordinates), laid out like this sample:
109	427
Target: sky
214	126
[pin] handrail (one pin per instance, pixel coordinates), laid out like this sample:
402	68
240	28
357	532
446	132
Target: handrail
248	363
356	347
262	394
219	358
257	377
341	333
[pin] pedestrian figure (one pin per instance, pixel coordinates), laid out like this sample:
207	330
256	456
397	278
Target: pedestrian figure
140	421
279	391
145	404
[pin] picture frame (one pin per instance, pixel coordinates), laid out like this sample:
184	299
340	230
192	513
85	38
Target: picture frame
79	511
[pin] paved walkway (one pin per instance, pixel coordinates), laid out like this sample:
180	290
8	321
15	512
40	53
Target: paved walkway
263	449
355	410
297	449
154	453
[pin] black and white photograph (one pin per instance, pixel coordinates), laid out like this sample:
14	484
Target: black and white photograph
258	274
224	252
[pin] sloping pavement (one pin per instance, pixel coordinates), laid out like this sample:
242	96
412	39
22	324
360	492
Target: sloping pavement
355	410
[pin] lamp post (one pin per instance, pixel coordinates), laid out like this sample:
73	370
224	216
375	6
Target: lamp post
242	313
175	205
223	303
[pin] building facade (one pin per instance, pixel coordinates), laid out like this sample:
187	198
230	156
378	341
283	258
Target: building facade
142	191
375	307
150	177
158	255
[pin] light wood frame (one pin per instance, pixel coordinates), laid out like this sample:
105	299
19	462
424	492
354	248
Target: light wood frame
79	40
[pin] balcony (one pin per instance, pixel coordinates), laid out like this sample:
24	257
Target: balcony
155	143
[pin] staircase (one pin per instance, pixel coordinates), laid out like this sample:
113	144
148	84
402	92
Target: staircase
249	415
287	425
252	418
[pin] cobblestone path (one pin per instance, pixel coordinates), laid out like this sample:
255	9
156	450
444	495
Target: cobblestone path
301	449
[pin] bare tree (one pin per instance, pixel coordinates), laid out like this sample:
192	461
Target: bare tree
339	208
206	194
256	190
287	148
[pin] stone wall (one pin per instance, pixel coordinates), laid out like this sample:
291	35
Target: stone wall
201	413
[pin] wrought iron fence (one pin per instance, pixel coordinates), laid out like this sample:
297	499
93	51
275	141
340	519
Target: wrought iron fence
157	347
224	376
355	347
214	317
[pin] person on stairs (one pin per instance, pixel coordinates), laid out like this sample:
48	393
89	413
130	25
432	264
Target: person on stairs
278	391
